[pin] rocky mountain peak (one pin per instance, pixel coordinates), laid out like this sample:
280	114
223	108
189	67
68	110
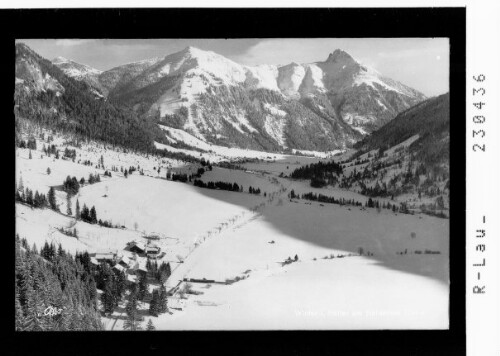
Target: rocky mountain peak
340	56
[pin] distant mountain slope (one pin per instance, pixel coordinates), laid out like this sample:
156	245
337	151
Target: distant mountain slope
45	94
318	106
429	119
115	78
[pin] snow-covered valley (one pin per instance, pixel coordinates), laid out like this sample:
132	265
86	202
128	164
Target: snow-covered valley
356	267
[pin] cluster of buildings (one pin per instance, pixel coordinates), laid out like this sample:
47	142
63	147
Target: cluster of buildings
133	260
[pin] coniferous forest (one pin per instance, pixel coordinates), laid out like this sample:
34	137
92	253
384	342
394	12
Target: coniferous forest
54	291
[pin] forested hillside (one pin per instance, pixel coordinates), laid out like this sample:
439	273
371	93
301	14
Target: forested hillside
47	96
429	119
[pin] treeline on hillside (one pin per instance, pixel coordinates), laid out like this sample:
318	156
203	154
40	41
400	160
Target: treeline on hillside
325	199
184	177
435	209
230	165
30	143
78	111
53	291
35	200
370	203
26	196
320	173
180	156
234	187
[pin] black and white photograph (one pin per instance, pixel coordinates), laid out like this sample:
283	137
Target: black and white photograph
249	180
232	184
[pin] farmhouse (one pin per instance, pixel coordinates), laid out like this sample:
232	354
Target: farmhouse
125	261
152	251
119	268
108	257
139	267
136	246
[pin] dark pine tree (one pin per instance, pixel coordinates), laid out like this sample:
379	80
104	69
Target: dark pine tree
153	305
162	300
150	326
77	210
52	199
93	216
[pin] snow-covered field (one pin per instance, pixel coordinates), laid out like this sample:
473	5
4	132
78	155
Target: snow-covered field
40	225
174	209
386	290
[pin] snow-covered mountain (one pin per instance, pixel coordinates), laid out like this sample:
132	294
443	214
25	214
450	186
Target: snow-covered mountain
76	70
363	97
80	72
316	106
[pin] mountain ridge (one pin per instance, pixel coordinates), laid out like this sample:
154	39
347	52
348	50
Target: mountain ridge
317	106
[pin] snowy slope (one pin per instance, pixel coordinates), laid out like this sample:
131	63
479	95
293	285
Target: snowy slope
290	78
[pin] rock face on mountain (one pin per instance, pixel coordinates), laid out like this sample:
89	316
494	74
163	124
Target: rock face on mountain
30	76
318	106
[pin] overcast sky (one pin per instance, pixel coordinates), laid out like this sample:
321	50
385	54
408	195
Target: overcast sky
421	63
